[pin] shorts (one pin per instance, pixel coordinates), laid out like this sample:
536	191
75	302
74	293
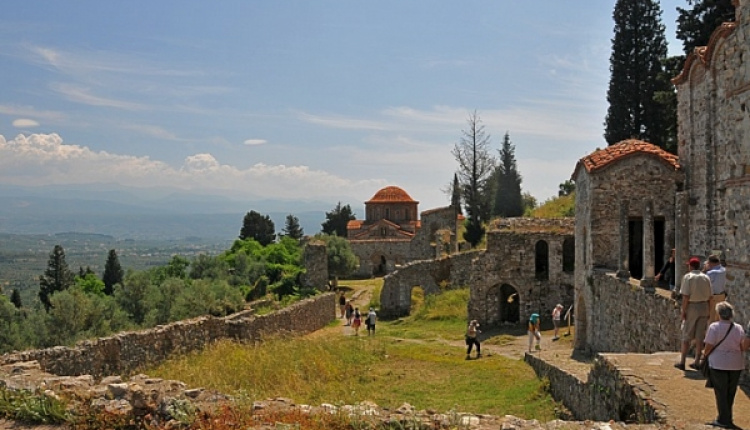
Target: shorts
696	322
556	323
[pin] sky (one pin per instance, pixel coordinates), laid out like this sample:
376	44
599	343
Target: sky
328	100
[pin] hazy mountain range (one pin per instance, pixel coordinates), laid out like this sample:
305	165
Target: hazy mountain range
133	213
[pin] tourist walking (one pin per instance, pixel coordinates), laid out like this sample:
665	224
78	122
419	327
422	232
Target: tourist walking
535	331
357	321
372	317
667	273
725	342
472	338
718	276
342	304
696	292
349	312
556	316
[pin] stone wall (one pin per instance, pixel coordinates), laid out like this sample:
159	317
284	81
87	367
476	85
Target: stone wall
506	268
623	318
125	353
713	93
605	395
316	265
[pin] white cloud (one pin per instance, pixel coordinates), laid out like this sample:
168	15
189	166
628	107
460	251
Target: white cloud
83	95
44	159
25	123
254	142
27	111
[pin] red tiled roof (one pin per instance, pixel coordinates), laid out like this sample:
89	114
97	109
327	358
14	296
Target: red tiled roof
603	157
354	224
391	194
704	54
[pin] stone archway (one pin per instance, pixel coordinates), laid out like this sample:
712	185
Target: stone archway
502	305
379	265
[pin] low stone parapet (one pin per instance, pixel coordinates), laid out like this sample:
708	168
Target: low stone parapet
125	353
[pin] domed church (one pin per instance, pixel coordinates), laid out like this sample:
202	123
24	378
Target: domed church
390	214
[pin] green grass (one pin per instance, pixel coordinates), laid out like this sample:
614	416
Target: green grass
411	360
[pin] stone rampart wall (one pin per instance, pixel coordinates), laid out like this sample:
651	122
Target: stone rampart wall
126	352
626	319
605	395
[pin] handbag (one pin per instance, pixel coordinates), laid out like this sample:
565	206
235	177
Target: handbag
703	365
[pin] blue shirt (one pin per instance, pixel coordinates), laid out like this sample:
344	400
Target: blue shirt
718	277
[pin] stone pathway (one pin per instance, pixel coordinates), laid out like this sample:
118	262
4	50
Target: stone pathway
687	403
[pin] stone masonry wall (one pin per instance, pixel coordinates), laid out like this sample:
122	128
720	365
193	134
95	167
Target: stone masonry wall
126	352
623	318
713	95
605	395
508	260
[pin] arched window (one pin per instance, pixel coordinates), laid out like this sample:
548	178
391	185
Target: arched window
569	254
541	261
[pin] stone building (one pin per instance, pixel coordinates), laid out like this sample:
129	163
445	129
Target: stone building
527	267
634	202
392	234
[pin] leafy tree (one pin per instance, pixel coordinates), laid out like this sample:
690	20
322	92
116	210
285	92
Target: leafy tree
131	295
529	203
90	284
695	26
508	198
15	298
638	48
113	273
341	259
258	227
57	277
292	228
475	166
337	219
208	267
83	272
566	188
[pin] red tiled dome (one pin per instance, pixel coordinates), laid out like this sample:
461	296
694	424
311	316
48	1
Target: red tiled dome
391	194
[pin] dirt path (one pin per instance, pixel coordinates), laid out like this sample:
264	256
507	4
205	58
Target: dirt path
686	401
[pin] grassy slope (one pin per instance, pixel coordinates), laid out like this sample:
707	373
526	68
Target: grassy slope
409	360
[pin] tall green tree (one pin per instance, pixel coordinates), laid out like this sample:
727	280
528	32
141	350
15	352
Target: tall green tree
258	227
456	194
337	219
475	166
638	48
292	228
695	25
57	276
508	201
15	298
113	272
666	98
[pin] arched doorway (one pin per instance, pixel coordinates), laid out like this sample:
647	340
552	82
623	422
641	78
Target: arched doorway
379	267
503	305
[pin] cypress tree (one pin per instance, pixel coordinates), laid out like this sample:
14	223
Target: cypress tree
57	276
508	196
695	26
15	298
258	227
638	49
113	273
292	227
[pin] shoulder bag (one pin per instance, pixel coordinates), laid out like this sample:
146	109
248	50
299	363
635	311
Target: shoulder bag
703	366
